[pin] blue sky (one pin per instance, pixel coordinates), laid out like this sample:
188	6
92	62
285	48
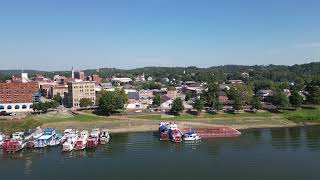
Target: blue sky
59	34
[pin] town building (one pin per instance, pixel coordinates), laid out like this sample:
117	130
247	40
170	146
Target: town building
17	96
79	75
59	89
79	90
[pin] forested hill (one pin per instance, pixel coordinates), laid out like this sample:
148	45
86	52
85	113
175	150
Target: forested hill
277	73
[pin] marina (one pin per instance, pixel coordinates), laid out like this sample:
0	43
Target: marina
128	155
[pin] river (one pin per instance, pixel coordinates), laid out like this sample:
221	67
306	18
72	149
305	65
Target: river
286	153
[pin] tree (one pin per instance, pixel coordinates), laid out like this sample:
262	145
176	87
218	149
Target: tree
156	100
198	105
110	102
237	103
279	99
106	102
256	103
218	106
57	98
296	99
177	106
314	96
188	96
54	104
85	102
122	95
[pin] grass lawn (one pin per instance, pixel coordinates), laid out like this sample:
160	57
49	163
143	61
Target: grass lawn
303	115
186	117
33	121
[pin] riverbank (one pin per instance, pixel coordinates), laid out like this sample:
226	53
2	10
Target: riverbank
146	122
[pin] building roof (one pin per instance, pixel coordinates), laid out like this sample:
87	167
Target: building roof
165	98
133	95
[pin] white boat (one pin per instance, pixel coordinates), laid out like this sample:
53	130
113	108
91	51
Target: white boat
56	140
45	139
69	143
81	141
37	133
105	136
67	133
191	136
2	138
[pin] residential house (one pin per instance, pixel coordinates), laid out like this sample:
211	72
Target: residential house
264	94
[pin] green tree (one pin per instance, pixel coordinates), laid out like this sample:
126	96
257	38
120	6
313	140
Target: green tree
198	105
177	106
237	104
218	106
296	99
314	96
106	102
122	95
188	96
156	101
279	99
57	98
85	102
256	102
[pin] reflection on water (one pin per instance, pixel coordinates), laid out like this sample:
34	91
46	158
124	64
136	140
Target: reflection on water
287	153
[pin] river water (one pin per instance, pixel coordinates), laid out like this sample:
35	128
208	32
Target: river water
287	153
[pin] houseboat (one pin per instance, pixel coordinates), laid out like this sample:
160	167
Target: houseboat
94	138
81	142
67	133
191	136
164	131
16	143
46	138
104	136
175	133
69	143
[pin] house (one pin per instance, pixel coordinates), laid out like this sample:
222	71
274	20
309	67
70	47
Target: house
133	101
235	81
166	102
222	97
263	94
172	94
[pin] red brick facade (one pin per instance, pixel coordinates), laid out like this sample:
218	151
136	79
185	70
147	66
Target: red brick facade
18	92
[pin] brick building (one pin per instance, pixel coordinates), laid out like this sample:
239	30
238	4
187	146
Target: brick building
17	96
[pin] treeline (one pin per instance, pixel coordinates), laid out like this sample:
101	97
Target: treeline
275	73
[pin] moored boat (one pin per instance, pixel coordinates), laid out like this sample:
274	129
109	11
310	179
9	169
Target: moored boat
16	143
191	136
104	136
175	133
45	139
67	133
69	143
2	138
56	140
94	138
81	141
164	131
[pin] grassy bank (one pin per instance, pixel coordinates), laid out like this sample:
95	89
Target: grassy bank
189	117
34	121
303	116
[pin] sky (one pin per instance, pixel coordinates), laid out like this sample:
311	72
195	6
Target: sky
61	34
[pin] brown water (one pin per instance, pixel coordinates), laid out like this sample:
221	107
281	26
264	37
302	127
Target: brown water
289	153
